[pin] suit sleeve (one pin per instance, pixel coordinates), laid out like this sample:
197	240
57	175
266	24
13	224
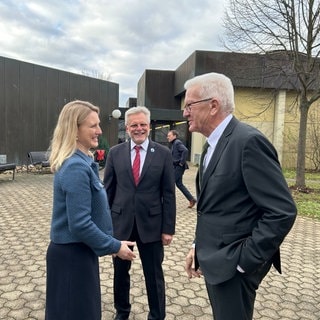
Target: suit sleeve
268	189
168	196
109	178
183	151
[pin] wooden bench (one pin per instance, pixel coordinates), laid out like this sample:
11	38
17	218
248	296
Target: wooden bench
39	159
8	166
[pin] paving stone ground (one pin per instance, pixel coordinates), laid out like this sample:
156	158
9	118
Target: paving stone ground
25	209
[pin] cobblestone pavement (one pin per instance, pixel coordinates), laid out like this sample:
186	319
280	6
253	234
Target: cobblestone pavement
25	207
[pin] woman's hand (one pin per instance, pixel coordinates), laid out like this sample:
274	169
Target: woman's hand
125	253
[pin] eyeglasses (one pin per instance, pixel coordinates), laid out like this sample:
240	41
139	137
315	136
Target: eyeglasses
136	125
187	107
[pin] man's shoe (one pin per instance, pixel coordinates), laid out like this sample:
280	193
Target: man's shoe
192	203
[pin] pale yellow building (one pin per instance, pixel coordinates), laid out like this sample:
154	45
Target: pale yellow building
278	118
264	97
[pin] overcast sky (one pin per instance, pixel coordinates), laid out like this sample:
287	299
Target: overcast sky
116	39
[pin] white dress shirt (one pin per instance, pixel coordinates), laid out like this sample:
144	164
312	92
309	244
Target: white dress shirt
214	138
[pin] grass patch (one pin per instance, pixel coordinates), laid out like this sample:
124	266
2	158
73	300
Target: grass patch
308	203
310	175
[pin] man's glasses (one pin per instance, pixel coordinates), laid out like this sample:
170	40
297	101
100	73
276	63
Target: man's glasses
136	125
188	106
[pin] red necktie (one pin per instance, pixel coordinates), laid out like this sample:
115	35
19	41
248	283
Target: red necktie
136	165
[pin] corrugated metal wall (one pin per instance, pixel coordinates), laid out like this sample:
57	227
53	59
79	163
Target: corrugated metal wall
31	97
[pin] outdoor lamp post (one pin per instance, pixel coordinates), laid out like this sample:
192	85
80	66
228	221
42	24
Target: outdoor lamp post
116	114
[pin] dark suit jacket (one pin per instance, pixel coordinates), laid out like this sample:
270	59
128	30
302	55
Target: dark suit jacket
151	203
179	153
245	208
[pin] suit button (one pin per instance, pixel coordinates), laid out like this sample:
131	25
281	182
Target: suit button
199	213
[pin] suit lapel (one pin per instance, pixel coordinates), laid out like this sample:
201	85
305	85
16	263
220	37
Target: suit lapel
151	152
127	149
204	151
213	161
221	145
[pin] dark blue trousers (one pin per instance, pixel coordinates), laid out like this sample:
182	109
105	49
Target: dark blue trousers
73	283
178	173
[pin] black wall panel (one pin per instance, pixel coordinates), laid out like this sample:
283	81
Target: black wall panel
12	107
40	110
26	124
31	97
3	113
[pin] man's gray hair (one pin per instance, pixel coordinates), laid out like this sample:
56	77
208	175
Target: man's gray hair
135	110
214	85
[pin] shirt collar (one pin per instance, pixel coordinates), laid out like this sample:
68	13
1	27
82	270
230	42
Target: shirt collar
217	132
143	145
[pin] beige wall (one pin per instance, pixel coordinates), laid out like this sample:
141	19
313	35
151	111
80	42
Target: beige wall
292	131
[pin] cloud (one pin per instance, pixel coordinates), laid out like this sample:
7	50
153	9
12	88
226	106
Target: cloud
119	39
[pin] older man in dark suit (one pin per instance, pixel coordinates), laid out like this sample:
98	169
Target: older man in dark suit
179	157
139	181
245	208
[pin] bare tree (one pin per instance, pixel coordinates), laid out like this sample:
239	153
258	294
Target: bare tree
291	27
97	74
314	140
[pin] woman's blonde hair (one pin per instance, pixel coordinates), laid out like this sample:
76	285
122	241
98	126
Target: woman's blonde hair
64	141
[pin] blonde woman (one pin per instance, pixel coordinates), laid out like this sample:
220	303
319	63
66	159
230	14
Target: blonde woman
81	227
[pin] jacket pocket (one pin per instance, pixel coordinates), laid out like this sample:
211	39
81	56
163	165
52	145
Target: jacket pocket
155	211
116	209
234	237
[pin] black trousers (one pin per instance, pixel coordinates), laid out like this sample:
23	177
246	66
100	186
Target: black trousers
234	299
151	255
73	283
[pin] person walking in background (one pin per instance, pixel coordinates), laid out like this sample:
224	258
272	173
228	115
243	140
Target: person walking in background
139	182
244	209
179	155
81	226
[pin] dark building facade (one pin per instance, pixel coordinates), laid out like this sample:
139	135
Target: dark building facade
31	97
156	90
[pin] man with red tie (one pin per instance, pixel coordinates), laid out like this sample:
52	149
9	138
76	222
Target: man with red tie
140	184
